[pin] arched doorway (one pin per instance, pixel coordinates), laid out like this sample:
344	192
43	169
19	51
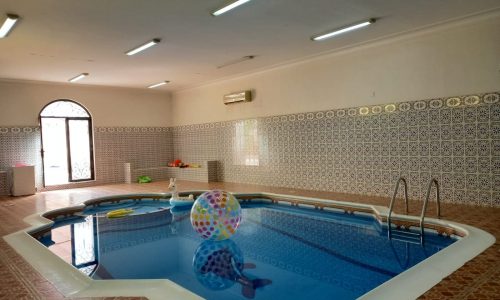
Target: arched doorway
67	144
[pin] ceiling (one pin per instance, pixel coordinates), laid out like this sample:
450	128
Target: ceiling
59	39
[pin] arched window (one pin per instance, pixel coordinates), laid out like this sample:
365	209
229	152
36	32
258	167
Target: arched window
67	144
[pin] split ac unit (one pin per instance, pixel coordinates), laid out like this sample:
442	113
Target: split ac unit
243	96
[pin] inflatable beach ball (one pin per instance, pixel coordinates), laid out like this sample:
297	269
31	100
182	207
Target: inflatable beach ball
216	215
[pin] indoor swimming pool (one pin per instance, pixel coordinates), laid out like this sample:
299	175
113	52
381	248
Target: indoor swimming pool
277	249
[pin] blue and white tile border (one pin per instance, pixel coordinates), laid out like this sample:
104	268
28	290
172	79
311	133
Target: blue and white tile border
418	105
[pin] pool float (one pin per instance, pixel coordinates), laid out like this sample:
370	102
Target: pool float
176	200
119	213
144	179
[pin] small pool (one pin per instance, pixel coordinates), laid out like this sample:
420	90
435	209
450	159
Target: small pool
278	250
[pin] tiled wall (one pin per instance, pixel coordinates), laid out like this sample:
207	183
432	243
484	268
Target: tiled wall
4	184
143	147
19	145
362	150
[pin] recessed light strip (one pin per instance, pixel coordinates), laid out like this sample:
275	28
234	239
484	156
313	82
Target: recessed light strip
83	75
228	7
158	84
343	30
8	25
143	47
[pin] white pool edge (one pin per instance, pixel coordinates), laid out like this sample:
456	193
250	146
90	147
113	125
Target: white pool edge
422	277
408	285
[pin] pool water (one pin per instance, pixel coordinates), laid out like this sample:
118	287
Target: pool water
277	250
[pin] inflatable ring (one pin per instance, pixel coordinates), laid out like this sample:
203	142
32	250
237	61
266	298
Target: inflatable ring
119	213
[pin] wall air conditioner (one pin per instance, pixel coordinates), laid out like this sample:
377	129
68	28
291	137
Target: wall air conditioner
243	96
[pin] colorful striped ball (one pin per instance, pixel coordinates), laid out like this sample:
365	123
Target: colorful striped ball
216	215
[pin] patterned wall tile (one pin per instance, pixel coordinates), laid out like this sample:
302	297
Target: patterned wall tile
361	150
20	145
113	146
143	147
4	187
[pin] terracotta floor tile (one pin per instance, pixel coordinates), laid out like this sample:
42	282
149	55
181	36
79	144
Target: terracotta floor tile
477	279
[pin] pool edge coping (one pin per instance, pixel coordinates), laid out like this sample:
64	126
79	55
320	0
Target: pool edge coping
71	282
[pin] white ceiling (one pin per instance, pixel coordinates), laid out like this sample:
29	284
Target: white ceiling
59	39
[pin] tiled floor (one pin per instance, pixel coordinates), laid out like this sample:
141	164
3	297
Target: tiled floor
478	279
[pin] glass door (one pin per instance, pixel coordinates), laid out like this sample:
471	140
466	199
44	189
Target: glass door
80	155
54	153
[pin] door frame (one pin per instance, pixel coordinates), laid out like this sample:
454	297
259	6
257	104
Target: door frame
68	149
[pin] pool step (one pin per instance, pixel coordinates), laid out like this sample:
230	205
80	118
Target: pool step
406	236
405	232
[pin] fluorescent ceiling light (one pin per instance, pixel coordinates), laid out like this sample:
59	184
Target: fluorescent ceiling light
342	30
232	62
228	7
83	75
143	47
8	24
158	84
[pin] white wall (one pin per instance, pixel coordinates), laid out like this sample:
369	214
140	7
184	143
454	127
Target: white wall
21	102
455	59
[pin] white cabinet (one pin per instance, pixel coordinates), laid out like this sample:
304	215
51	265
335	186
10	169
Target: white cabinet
23	181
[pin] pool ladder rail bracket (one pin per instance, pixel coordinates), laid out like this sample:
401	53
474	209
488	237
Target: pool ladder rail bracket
408	236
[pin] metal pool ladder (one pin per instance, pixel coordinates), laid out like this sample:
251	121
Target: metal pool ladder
394	233
424	208
408	236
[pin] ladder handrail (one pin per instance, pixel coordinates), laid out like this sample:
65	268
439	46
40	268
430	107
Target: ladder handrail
391	206
424	208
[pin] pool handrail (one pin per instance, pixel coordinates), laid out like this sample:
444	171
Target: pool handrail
424	207
391	206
